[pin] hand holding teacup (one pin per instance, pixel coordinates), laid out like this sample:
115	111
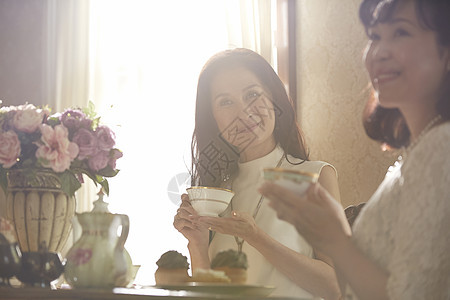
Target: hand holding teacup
282	187
316	215
295	181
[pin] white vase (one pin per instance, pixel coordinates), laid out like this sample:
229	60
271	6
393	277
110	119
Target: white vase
98	259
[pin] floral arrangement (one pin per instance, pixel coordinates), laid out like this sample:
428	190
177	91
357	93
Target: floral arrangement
71	143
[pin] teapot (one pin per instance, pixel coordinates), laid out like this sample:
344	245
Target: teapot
98	259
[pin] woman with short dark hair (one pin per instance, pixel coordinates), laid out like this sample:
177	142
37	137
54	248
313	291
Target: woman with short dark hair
400	245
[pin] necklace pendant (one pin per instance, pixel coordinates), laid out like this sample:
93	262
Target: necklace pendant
239	243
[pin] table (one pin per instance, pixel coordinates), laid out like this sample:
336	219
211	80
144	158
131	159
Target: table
150	293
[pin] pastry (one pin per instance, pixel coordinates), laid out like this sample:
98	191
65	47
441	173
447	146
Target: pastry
208	275
233	263
172	269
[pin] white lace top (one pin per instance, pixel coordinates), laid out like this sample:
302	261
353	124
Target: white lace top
260	271
405	226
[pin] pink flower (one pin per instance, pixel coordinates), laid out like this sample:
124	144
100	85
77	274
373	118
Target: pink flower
105	138
55	150
27	118
87	143
80	256
98	161
114	155
9	148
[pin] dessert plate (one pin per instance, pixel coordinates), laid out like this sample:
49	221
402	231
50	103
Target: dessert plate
221	288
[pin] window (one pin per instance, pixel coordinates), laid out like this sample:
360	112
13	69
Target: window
145	58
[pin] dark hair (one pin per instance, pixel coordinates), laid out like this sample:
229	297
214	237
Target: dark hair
213	157
387	125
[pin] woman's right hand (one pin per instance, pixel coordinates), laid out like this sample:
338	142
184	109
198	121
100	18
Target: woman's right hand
184	222
198	236
316	215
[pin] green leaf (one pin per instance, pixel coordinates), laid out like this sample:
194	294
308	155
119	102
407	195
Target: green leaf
78	166
91	107
95	123
108	172
69	183
53	121
105	186
89	111
93	177
3	180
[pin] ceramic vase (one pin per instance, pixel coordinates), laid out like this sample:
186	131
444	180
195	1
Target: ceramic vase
98	259
39	210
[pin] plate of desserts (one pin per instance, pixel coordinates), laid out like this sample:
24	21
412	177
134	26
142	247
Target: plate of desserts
227	275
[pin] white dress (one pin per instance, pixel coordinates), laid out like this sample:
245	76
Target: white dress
405	226
260	271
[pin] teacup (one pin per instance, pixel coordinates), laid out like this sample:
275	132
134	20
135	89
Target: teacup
132	274
295	181
209	201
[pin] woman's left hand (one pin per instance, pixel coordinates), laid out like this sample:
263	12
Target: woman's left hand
316	215
240	224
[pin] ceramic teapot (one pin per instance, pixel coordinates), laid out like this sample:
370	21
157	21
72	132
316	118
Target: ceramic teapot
98	258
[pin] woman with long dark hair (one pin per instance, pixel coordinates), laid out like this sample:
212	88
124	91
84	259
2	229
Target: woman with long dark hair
245	122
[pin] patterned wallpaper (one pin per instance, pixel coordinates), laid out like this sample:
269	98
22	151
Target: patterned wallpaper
332	85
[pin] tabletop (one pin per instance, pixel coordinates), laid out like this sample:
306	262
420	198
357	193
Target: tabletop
152	293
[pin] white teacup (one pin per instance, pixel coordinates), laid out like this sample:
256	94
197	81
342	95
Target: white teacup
295	181
209	201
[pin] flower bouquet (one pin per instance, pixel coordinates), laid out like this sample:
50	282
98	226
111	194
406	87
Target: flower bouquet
70	144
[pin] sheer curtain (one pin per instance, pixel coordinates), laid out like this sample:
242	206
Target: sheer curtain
144	61
250	24
67	72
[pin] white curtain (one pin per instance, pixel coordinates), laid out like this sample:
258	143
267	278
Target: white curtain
67	72
67	55
250	25
144	61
